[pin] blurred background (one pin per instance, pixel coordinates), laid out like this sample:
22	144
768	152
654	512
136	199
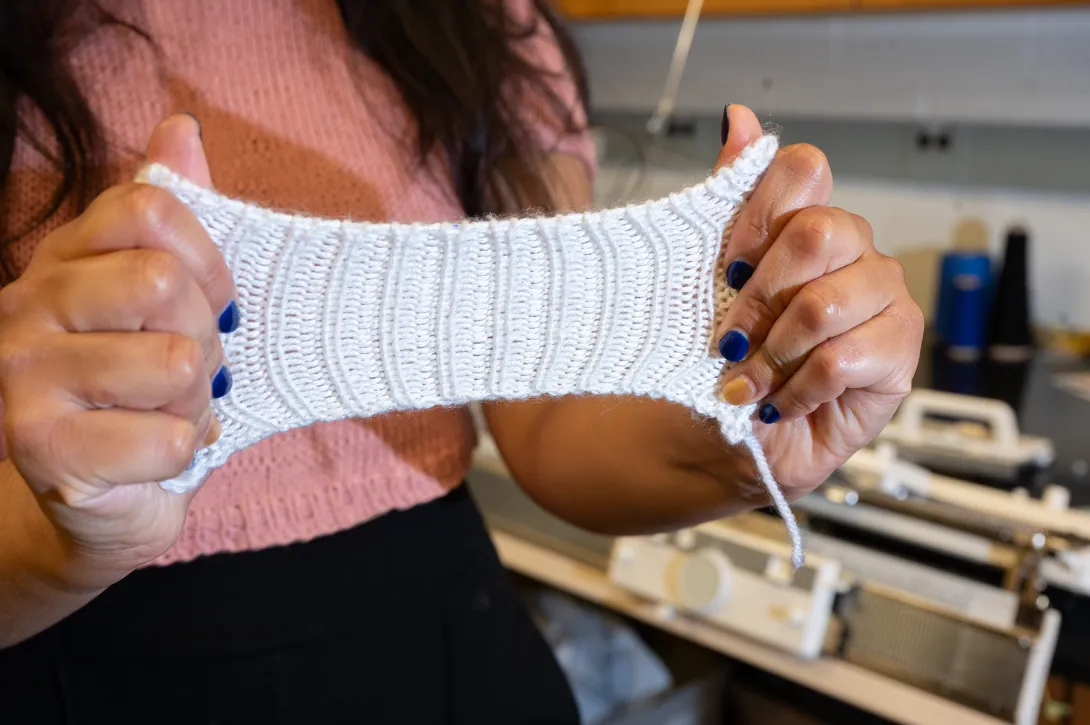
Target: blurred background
949	569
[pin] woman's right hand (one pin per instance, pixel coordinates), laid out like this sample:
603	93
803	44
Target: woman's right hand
109	343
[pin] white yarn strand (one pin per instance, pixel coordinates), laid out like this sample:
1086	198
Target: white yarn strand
619	301
778	499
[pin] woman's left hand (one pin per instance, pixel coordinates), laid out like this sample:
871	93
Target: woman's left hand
824	332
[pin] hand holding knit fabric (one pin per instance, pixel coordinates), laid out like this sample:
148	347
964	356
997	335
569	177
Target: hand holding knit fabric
824	331
108	344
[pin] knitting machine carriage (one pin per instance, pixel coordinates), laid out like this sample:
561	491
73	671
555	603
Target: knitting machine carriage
936	582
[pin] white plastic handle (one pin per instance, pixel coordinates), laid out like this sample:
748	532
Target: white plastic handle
997	415
894	474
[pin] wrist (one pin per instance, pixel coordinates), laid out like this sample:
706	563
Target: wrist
36	550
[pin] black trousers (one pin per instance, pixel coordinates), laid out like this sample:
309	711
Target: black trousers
406	619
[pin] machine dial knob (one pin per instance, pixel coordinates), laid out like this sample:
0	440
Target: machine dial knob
701	581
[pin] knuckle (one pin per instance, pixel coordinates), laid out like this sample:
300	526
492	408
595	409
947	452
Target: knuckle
148	207
178	443
751	226
757	312
914	320
182	359
103	205
215	276
829	363
816	237
866	231
108	197
158	275
818	310
89	229
102	393
893	269
775	364
807	162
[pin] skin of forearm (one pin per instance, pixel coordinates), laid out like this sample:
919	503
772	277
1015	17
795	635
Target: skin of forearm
33	559
623	465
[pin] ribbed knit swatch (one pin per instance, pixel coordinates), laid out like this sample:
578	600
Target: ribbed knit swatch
343	319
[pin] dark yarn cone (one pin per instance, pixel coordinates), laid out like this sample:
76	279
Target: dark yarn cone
1010	334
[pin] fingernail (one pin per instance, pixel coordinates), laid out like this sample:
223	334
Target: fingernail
738	391
213	433
200	133
221	384
768	413
724	129
229	318
738	273
734	345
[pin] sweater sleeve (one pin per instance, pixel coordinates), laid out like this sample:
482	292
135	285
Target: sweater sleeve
553	112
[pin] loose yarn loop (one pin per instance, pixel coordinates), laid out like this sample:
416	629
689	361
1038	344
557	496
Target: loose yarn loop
344	319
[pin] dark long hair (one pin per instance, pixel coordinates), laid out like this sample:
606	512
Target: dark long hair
453	61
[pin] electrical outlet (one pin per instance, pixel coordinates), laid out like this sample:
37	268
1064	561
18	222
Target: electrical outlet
681	127
928	139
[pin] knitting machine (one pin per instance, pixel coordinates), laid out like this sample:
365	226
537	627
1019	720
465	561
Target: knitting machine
945	586
936	582
963	434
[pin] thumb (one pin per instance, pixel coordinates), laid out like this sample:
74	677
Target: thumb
740	129
176	143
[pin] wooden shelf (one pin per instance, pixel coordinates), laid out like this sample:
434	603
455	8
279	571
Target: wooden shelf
923	5
617	9
612	9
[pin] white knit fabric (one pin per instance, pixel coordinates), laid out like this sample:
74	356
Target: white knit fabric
342	319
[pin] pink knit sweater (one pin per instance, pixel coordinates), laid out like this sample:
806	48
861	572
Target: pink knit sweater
292	117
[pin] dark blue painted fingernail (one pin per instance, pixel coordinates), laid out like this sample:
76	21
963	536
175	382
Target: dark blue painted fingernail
768	413
221	384
229	318
724	128
738	273
734	345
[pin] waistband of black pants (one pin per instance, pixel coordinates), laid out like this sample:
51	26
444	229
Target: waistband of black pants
272	598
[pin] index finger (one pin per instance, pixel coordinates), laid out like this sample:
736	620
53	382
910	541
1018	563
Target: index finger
141	216
137	215
799	177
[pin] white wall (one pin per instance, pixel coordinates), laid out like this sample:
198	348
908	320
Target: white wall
990	67
915	222
909	222
1008	68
